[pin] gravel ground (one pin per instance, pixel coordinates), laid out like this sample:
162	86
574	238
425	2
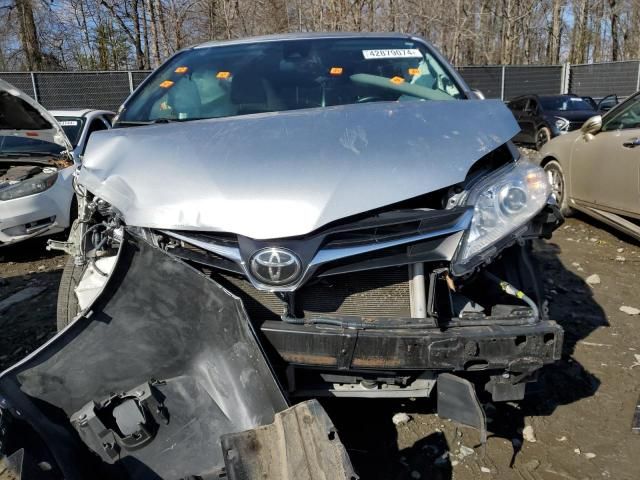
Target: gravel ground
577	426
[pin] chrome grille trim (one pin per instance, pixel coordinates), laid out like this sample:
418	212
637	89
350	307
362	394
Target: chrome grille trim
332	254
322	256
231	253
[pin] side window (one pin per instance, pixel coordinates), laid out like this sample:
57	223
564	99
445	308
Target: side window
532	106
518	105
626	117
607	103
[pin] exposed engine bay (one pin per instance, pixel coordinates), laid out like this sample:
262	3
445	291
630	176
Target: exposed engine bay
11	174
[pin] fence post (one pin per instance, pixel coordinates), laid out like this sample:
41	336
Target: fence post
33	85
638	79
130	75
566	76
502	84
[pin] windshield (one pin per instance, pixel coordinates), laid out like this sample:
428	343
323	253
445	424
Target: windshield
272	76
72	127
565	104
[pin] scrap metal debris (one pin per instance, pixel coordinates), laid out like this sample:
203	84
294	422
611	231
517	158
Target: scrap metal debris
277	451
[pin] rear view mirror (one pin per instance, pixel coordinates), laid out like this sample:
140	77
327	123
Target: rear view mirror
592	126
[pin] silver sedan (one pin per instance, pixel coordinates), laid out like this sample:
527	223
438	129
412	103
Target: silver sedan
597	169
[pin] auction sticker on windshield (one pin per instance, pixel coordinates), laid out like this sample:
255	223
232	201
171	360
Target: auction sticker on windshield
392	53
68	123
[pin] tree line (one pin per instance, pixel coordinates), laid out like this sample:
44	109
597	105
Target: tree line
140	34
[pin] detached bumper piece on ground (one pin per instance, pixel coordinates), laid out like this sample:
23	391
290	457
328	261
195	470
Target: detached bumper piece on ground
199	371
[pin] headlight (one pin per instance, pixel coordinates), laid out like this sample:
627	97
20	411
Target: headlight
36	184
503	204
561	123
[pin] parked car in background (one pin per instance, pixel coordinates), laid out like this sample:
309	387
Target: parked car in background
604	104
542	118
37	162
597	168
334	214
607	103
78	125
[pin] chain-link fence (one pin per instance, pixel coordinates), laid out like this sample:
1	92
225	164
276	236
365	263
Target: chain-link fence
66	90
107	90
509	81
602	79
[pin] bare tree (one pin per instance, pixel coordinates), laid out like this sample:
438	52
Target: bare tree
108	34
615	43
29	35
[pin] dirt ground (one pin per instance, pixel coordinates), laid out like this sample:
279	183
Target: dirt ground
576	425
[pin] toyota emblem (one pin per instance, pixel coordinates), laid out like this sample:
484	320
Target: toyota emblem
275	266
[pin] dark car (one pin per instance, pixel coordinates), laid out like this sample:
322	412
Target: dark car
542	118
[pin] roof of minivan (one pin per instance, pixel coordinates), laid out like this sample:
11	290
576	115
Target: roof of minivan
303	36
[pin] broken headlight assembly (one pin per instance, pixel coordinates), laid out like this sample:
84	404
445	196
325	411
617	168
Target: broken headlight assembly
36	184
503	204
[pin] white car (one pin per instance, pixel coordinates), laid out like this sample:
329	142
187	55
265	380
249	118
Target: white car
78	125
37	162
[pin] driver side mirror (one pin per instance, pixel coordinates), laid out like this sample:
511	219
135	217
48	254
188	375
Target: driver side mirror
592	126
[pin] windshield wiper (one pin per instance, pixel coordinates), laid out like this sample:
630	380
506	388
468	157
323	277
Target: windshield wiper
180	120
137	123
132	123
124	123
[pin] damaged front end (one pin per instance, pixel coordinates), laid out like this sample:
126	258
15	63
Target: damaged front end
201	313
383	304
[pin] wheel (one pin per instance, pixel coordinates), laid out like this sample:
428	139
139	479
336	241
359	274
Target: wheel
543	135
556	180
68	306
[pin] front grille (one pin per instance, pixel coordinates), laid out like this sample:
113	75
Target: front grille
372	293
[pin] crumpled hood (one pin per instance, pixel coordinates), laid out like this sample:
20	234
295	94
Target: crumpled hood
22	116
286	174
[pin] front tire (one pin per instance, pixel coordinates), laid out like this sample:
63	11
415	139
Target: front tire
68	306
543	135
556	178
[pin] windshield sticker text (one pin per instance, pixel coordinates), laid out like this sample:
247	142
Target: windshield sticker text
392	53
